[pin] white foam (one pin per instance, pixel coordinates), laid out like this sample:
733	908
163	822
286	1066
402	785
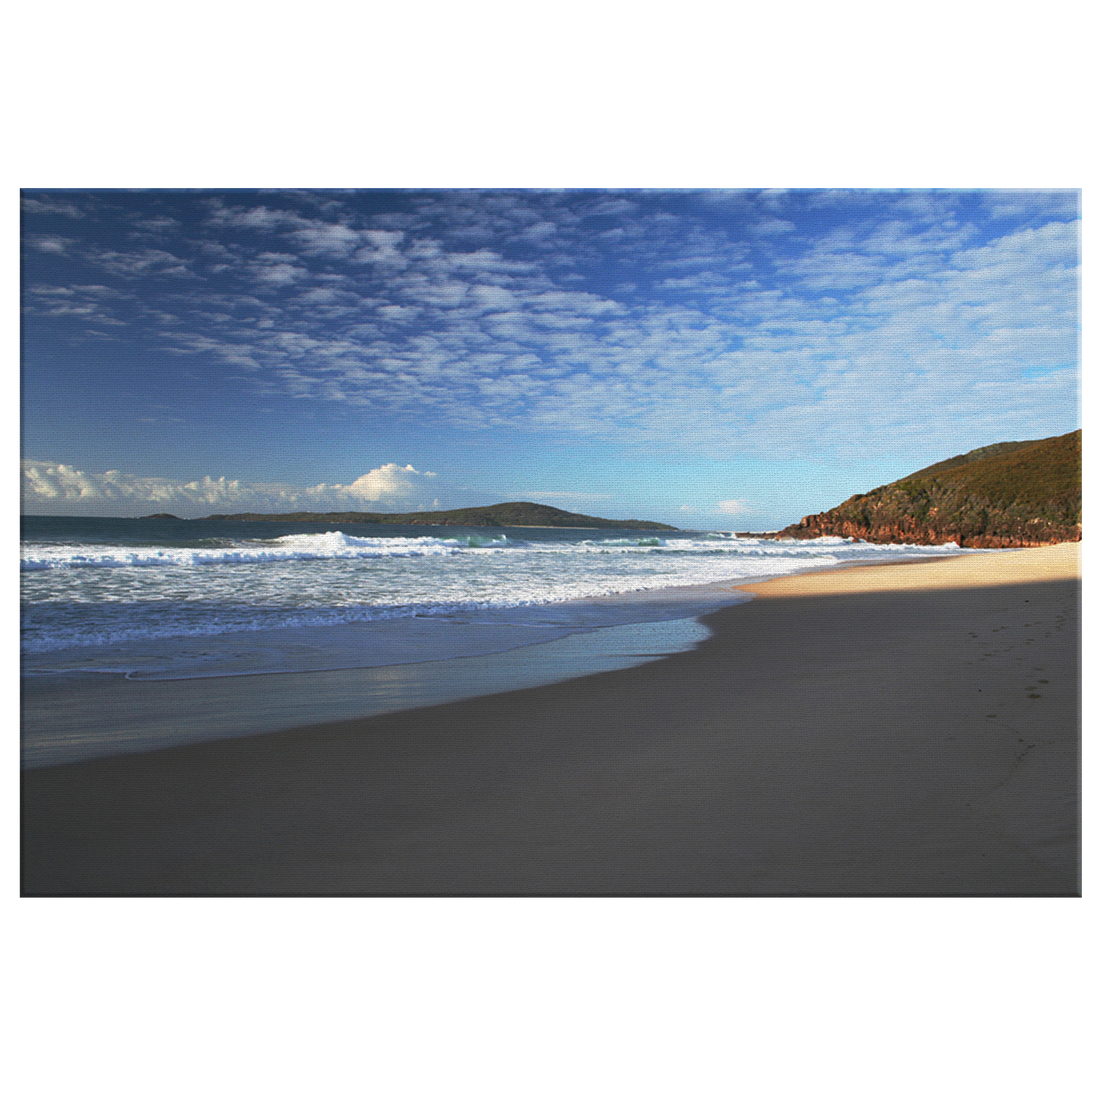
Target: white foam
89	595
329	546
335	545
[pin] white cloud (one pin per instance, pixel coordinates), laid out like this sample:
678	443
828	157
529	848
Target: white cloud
773	225
58	488
381	247
1007	204
840	340
155	224
277	269
319	295
327	240
142	264
56	245
611	205
732	507
384	483
703	280
57	483
50	206
259	219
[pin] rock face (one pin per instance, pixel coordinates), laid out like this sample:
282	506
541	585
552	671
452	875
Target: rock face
1006	495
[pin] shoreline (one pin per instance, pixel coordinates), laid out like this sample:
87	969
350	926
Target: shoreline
298	676
851	731
1060	561
63	711
77	711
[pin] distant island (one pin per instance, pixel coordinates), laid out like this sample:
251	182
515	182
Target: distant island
520	513
1005	495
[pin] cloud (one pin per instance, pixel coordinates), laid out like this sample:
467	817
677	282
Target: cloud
274	269
58	483
327	240
140	264
58	488
773	225
732	507
258	219
1014	204
611	205
55	245
654	318
381	247
86	304
384	483
155	223
50	206
703	280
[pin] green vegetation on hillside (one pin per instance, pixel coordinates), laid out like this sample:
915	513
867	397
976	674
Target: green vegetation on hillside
1007	494
1045	476
520	513
975	455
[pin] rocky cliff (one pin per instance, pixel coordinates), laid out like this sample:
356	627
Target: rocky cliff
1005	495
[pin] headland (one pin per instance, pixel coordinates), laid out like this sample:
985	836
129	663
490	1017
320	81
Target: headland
517	513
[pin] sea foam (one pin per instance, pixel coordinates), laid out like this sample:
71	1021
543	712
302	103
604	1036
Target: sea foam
85	594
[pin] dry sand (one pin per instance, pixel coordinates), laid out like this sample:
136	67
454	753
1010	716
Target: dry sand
897	729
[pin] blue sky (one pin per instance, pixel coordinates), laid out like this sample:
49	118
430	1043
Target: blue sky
728	360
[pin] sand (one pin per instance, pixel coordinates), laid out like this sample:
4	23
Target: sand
887	730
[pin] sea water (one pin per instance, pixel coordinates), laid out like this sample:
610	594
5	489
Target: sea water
265	625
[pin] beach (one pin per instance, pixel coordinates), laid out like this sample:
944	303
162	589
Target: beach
895	729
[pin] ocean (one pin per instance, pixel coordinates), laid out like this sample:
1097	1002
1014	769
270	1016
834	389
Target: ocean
139	633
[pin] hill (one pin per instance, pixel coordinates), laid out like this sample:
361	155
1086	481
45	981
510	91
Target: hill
519	513
1004	495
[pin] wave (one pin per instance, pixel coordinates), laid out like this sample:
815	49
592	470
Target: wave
335	546
81	595
332	545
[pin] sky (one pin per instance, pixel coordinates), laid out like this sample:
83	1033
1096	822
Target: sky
728	360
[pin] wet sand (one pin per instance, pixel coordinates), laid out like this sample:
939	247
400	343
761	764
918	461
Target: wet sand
884	730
